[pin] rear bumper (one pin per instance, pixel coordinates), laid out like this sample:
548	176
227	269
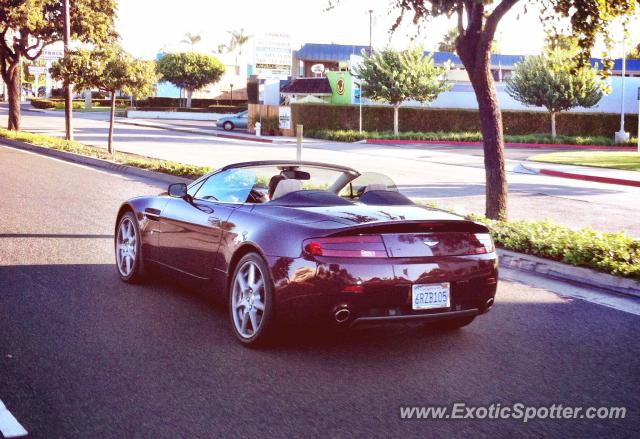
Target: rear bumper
318	288
415	318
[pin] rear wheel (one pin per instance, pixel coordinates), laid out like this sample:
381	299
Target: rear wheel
448	324
127	248
251	303
228	126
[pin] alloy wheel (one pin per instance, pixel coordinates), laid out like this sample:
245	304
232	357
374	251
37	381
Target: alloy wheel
248	299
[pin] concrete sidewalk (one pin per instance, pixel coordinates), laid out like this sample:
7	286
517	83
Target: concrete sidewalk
586	173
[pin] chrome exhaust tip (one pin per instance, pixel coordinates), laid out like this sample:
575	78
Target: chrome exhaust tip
342	315
488	304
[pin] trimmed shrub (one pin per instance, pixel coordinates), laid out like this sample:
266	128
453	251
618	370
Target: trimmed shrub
195	102
354	136
614	253
379	118
212	109
43	104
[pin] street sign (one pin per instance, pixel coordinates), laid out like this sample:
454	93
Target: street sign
273	56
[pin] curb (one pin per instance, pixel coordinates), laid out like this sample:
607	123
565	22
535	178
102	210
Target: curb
92	161
568	273
574	176
608	180
192	131
507	144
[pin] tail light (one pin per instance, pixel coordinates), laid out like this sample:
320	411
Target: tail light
484	243
363	246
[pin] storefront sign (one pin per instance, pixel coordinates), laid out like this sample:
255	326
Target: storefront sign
273	56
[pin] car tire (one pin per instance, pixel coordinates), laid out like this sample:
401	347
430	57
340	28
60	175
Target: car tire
128	249
228	126
251	302
449	324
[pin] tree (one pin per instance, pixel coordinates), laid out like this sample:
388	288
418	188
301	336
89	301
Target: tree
634	53
28	26
238	40
192	39
396	76
190	71
108	70
477	23
448	42
552	80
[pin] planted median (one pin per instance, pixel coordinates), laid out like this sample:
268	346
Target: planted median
464	136
123	158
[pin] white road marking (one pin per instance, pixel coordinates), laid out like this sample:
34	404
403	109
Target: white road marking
9	425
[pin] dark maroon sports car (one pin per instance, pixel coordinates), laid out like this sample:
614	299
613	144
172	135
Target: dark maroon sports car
286	240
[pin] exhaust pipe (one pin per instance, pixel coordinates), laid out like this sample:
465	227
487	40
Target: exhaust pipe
342	315
488	304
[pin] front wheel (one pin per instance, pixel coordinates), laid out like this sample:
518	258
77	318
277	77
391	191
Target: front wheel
251	304
228	126
127	248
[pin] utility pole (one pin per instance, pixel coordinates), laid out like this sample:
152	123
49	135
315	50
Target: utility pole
68	88
370	31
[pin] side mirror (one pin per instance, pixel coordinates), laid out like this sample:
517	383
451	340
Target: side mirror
177	190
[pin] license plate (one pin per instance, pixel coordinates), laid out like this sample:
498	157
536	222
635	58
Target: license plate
430	296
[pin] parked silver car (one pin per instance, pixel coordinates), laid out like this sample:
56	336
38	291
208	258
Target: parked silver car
233	121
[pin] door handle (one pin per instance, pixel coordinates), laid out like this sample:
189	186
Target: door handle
214	221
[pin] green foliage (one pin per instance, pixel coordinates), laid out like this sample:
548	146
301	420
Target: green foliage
614	253
396	76
553	81
189	70
226	109
161	101
168	167
43	104
378	118
475	136
108	70
448	42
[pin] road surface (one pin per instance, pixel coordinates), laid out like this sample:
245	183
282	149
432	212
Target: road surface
84	355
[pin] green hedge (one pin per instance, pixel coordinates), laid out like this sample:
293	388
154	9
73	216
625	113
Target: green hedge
354	136
378	118
195	102
51	104
614	253
211	109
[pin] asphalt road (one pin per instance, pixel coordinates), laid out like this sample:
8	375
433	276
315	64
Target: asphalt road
84	355
454	178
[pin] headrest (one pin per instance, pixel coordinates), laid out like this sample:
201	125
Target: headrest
286	186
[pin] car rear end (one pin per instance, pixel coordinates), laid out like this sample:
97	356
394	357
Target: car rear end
395	272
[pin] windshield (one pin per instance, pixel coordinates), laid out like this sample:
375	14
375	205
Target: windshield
368	181
264	183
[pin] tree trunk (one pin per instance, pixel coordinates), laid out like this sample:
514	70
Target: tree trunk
14	91
111	120
478	65
189	94
395	120
553	124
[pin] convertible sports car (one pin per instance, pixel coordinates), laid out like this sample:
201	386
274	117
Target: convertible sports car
287	240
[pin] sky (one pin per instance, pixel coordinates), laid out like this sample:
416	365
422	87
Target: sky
146	26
